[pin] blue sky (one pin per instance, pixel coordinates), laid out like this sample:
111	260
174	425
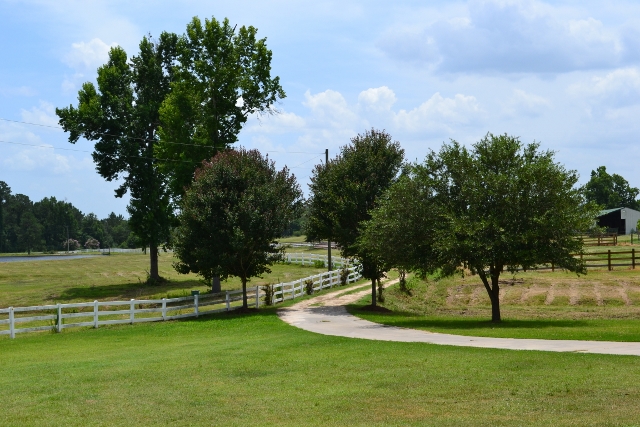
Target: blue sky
565	74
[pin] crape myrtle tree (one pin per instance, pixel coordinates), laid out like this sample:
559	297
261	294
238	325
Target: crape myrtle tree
495	207
122	116
222	77
231	215
346	190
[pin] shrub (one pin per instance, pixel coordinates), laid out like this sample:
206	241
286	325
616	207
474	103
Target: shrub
74	245
92	243
318	263
269	290
344	276
380	294
308	286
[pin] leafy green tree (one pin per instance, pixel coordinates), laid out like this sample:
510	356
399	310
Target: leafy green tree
30	232
402	226
231	215
16	206
55	216
346	190
494	208
611	191
222	77
122	116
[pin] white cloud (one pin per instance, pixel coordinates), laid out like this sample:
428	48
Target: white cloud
379	99
619	88
88	55
439	114
44	114
519	36
330	109
38	158
528	104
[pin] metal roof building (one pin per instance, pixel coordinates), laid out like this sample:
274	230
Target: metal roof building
622	219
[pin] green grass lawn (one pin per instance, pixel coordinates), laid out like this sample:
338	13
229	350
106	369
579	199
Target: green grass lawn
253	369
602	305
114	277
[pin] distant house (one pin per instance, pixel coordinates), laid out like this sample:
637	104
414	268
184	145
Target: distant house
622	219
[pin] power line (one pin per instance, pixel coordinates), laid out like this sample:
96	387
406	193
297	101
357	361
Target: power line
142	139
137	157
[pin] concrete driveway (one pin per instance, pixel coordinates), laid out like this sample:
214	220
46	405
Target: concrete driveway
327	315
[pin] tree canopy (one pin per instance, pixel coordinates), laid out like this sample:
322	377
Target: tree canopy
611	191
231	215
222	77
345	191
498	207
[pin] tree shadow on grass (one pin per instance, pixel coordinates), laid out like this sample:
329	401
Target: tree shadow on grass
412	321
126	291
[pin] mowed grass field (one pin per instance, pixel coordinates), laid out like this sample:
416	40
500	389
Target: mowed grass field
113	277
254	369
603	305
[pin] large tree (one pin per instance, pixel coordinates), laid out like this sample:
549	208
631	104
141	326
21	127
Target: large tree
222	77
122	116
498	207
346	190
231	215
611	191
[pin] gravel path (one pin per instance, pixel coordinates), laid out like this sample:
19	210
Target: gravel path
327	315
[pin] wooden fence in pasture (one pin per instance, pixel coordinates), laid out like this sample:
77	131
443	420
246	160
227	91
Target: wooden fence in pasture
56	317
608	260
608	239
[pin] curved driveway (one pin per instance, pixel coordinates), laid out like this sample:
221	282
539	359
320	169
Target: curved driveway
327	315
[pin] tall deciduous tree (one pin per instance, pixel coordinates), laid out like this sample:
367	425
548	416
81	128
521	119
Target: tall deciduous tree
122	116
494	208
611	191
346	190
222	77
231	215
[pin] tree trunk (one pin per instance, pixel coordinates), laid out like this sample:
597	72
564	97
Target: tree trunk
493	290
245	305
153	269
373	293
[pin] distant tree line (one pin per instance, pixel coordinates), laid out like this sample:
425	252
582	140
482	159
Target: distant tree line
27	226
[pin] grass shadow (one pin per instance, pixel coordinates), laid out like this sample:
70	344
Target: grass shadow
125	290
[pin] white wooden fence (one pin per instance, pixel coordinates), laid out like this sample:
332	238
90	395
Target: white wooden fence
57	317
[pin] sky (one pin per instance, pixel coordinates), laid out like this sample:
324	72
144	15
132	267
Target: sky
564	74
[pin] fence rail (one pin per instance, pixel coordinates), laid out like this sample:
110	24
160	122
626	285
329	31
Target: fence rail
56	317
608	259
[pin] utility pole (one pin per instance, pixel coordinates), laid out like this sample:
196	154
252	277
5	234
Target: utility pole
67	227
326	163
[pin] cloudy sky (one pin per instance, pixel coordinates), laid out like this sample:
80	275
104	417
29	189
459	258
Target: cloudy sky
565	74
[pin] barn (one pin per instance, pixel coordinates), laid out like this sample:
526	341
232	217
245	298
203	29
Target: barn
622	219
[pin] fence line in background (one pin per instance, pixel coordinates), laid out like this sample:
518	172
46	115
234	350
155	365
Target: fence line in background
56	317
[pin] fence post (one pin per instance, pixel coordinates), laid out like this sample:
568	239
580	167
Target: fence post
12	326
59	325
196	301
609	258
227	300
164	309
132	312
95	314
633	257
258	296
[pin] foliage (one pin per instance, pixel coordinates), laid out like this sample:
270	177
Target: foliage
268	290
30	232
71	244
222	77
344	276
92	243
318	263
308	287
235	209
345	191
496	207
122	116
611	191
